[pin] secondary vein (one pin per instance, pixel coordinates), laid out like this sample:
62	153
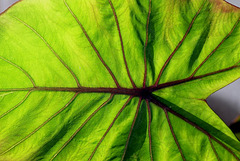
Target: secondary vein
178	46
39	127
121	41
92	45
110	126
21	69
83	124
52	50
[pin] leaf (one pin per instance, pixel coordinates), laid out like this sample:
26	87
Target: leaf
116	80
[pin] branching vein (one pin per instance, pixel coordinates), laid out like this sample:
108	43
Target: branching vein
132	126
21	69
110	126
84	123
166	108
52	50
39	127
179	44
16	106
93	46
214	150
173	134
234	27
120	36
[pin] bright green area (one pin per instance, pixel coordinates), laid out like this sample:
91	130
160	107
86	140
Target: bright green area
55	43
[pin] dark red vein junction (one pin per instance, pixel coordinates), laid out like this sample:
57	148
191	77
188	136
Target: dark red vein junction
141	92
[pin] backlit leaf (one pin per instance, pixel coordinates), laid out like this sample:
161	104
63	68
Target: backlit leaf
116	79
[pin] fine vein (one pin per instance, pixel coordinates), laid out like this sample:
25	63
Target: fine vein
179	44
39	127
132	126
110	126
52	50
21	69
145	46
16	106
173	134
120	36
149	129
91	43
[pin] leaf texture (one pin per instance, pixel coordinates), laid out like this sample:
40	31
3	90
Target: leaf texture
116	80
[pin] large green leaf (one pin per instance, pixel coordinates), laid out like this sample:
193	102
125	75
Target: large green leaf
116	80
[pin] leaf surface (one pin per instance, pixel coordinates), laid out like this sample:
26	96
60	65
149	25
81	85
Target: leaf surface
116	80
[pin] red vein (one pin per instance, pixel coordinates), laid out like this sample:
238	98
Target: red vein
39	127
179	44
93	46
195	71
185	80
128	91
52	50
21	69
85	122
145	46
16	106
173	134
214	150
165	107
130	132
120	36
149	130
110	126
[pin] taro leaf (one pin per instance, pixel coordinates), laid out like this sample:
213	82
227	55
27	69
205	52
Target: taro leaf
116	80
